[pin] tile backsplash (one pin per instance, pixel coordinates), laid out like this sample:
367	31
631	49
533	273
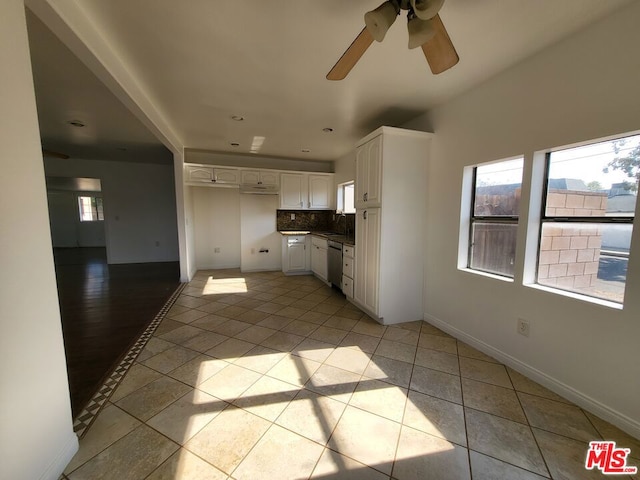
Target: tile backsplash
316	220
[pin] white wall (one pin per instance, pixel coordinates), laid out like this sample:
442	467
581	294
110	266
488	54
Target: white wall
216	216
66	228
139	207
36	437
345	168
583	88
258	231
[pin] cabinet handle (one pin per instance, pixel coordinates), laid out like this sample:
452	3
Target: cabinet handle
259	183
364	215
365	197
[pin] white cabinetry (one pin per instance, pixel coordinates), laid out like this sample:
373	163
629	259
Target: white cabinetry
212	175
295	254
260	177
319	264
321	194
390	211
293	191
368	173
348	270
302	191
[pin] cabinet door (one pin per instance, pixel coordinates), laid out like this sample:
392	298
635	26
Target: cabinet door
226	175
293	191
269	178
368	174
320	191
374	173
250	177
200	174
365	282
296	256
319	261
361	183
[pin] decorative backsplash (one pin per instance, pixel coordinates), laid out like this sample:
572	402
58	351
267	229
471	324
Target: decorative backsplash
317	220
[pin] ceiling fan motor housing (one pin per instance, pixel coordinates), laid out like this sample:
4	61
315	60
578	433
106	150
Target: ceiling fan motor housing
426	9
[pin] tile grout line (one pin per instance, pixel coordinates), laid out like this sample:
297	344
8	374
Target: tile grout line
87	416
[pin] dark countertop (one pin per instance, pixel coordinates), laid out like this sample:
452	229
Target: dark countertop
336	237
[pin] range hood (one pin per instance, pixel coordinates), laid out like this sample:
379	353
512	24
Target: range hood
259	189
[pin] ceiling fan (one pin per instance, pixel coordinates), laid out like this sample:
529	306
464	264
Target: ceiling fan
425	30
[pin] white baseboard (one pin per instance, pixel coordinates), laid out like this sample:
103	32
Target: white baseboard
63	458
625	423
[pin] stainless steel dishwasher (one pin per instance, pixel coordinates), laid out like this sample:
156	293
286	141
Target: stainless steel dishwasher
334	260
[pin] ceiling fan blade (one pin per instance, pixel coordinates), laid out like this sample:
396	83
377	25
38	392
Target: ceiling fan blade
440	52
351	56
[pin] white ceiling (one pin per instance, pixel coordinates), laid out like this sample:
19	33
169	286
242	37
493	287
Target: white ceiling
200	62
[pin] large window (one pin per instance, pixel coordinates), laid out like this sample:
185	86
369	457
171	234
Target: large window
90	209
587	218
494	217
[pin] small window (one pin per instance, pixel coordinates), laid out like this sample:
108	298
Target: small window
90	209
346	194
494	217
587	218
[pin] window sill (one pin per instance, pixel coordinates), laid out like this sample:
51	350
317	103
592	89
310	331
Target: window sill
577	296
486	274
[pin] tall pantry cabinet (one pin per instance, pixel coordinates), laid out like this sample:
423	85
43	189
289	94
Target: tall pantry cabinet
390	197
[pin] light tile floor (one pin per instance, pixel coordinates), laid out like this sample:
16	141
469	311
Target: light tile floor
262	376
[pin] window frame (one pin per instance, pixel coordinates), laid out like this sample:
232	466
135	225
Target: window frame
99	211
567	220
494	219
340	197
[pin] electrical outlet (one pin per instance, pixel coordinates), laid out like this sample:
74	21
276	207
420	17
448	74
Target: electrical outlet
216	250
523	327
293	216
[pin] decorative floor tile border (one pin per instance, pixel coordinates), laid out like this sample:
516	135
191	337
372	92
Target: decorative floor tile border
86	417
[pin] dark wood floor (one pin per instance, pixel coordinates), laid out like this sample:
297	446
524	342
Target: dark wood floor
104	310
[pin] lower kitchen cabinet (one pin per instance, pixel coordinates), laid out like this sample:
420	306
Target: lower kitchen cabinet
319	257
348	270
295	254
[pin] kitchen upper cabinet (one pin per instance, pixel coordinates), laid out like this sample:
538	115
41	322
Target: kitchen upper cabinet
368	186
293	191
321	194
260	177
226	175
211	175
391	169
302	191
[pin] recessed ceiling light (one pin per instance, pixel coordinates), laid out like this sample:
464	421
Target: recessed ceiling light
237	118
234	144
305	150
327	130
76	123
